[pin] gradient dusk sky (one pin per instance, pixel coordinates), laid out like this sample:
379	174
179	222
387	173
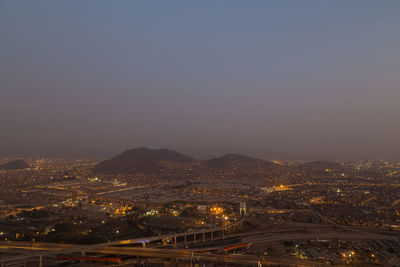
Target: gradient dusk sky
314	79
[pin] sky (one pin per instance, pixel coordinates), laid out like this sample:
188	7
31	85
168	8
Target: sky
305	79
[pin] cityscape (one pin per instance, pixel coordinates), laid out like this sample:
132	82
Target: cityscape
176	133
172	209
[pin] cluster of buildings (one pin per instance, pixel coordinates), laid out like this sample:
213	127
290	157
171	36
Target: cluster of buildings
62	200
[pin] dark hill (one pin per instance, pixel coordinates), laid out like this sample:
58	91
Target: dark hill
162	161
14	165
237	166
236	160
319	169
320	165
141	160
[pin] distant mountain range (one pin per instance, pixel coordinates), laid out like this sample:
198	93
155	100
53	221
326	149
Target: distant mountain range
147	161
141	160
234	160
170	164
14	165
320	165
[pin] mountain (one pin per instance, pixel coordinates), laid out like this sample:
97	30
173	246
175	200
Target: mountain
319	169
168	162
14	165
235	160
236	166
142	160
320	165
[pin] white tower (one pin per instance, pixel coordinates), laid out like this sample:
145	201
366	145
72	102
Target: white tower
243	209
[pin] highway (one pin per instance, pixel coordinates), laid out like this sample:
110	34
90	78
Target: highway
201	256
46	251
120	190
191	255
254	239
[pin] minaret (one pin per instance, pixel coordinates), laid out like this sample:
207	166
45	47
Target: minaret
243	209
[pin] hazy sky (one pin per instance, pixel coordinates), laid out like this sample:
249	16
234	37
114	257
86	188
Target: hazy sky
320	79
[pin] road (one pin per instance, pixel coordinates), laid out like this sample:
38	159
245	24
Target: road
120	190
254	239
46	251
201	256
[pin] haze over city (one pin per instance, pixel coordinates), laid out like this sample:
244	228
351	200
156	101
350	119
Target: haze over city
284	79
175	133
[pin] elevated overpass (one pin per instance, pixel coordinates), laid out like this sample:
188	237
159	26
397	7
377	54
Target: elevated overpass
45	249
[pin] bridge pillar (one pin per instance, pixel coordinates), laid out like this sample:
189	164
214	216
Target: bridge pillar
144	244
185	240
40	261
175	241
212	236
204	237
223	234
194	239
83	255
